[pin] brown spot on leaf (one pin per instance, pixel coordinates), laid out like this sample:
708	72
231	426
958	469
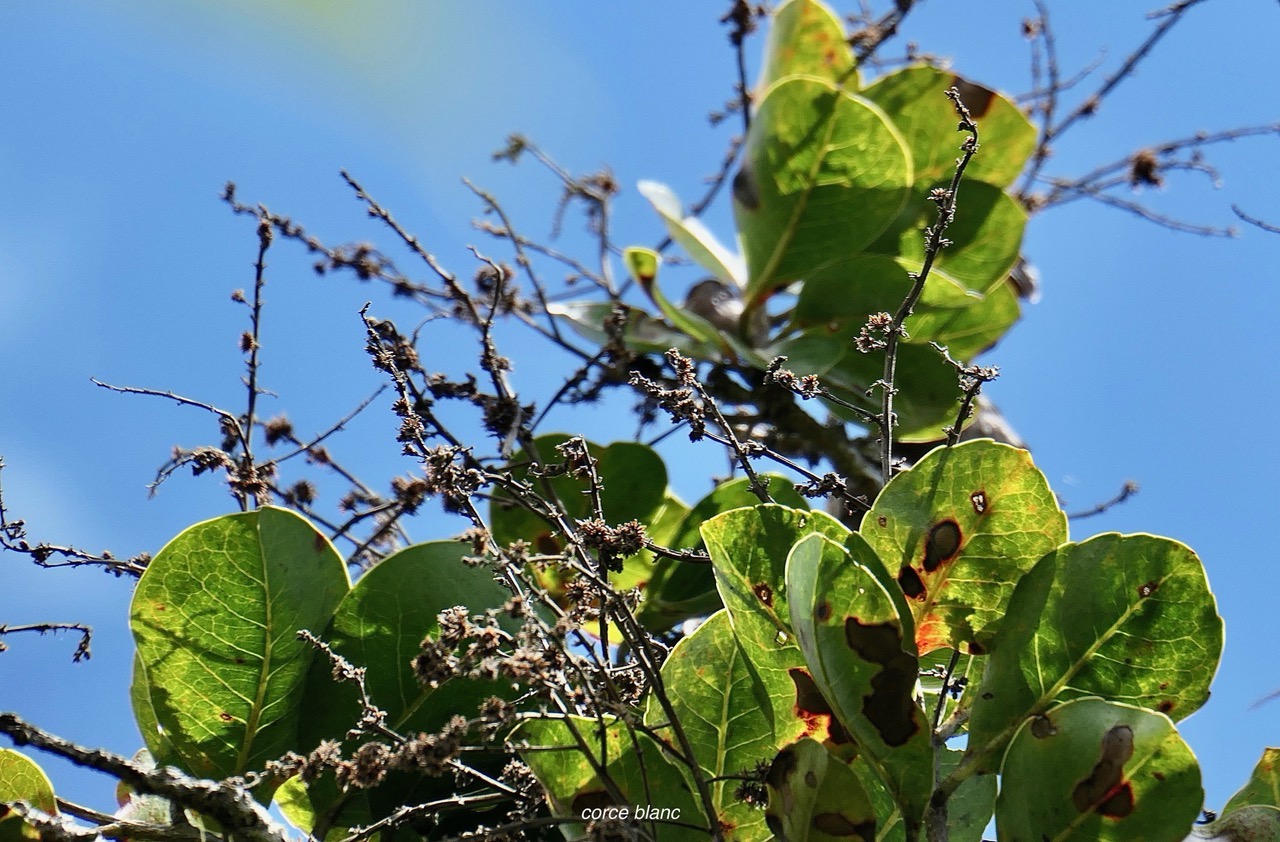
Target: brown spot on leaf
975	97
941	545
546	544
976	648
1146	589
838	824
1042	726
318	542
912	584
1165	706
979	501
888	706
822	611
763	593
1119	804
811	707
1105	790
159	606
882	520
810	779
745	190
225	717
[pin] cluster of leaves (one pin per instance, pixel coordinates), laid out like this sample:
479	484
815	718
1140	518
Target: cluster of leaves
838	183
945	657
819	685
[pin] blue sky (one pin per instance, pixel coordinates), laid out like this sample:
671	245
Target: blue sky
1150	357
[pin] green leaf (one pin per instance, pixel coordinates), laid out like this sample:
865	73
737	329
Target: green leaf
215	618
22	780
694	237
891	827
636	774
1263	786
748	549
633	477
643	265
1108	617
840	296
380	625
814	797
1255	823
969	809
638	570
679	590
824	173
969	331
915	96
985	236
928	398
295	803
848	291
958	530
724	709
856	637
642	333
806	38
1098	770
153	736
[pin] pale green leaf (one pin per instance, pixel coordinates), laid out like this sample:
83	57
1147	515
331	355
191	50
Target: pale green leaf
1098	771
215	618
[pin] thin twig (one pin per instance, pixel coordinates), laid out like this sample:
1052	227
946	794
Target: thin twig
935	242
1129	489
82	652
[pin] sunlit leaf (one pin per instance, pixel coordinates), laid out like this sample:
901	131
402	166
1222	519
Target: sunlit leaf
1263	786
856	637
840	296
638	774
985	236
678	590
1108	617
641	332
22	780
928	390
748	549
959	529
215	618
969	331
1098	770
816	797
694	237
717	695
806	38
915	96
824	173
633	479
